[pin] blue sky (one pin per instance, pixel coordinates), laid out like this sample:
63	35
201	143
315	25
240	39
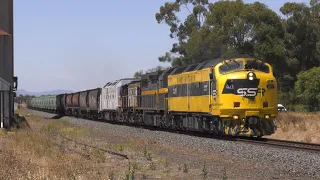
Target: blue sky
82	44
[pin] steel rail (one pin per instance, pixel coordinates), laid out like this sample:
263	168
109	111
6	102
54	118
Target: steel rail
283	144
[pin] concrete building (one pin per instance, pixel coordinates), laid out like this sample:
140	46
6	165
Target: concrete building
8	83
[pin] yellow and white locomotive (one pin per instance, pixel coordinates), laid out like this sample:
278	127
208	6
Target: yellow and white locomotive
235	97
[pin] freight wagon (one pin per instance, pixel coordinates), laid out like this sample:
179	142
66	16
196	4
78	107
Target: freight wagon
44	103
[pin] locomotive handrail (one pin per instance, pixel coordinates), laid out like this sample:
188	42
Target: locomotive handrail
188	93
210	91
166	103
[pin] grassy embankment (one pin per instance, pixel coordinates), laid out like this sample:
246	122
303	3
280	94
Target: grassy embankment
41	153
303	127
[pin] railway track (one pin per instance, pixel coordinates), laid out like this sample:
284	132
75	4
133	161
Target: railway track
282	144
251	140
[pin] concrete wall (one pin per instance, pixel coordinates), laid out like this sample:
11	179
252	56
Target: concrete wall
6	61
6	16
6	42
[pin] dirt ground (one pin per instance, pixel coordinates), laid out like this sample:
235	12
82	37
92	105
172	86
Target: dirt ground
303	127
43	152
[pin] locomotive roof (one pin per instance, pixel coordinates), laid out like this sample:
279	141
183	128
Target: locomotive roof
86	90
111	83
192	67
152	75
203	65
197	66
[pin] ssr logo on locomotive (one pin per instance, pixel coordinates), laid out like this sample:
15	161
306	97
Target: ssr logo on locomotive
243	87
251	92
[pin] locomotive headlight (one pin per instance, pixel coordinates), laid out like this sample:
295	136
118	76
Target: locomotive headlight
267	116
235	117
251	76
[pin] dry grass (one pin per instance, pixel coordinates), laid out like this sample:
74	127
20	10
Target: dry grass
30	154
41	153
304	127
33	155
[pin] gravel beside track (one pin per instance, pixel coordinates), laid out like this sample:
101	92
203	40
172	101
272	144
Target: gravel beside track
283	163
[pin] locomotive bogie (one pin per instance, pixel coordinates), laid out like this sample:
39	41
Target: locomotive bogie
248	127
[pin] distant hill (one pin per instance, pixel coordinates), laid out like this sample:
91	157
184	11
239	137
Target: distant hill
52	92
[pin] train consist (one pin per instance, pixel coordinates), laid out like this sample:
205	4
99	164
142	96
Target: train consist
235	97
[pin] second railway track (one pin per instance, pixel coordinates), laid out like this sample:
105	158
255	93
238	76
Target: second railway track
283	144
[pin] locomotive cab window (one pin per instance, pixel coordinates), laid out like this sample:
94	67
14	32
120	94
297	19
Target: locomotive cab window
260	66
229	66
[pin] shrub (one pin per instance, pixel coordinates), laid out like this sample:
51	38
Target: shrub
307	88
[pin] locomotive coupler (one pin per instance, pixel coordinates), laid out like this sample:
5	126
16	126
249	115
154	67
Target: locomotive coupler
253	120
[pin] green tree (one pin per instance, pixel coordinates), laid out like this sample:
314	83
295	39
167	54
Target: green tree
232	28
302	41
302	35
307	88
138	74
222	29
22	98
197	10
251	29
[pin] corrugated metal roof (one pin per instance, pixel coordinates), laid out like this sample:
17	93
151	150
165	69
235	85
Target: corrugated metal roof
4	85
3	33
